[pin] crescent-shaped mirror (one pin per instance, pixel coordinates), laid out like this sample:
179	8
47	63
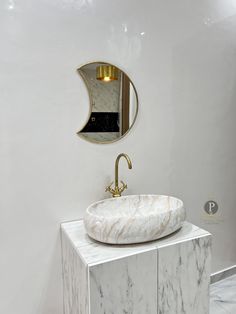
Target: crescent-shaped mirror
113	102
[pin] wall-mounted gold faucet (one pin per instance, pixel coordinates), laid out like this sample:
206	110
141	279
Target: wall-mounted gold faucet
116	192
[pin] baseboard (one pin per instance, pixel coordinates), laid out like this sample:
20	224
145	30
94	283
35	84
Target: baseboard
222	274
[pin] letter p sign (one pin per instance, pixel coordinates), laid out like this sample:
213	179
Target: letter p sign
211	207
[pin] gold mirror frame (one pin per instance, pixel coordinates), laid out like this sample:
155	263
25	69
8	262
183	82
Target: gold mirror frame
91	104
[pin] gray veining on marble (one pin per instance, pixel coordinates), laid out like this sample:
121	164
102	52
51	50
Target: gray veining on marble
134	218
75	280
171	274
223	296
95	252
183	277
101	136
127	285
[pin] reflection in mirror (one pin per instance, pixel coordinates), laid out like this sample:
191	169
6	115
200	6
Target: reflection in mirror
113	102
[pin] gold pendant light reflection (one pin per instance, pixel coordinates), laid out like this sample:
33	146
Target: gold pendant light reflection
107	73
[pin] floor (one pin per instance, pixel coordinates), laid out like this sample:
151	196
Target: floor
223	296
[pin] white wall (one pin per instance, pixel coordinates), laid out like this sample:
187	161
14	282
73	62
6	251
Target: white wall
181	56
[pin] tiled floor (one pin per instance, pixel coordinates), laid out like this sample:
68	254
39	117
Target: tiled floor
223	296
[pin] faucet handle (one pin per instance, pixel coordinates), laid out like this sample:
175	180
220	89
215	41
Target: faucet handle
108	188
123	187
117	190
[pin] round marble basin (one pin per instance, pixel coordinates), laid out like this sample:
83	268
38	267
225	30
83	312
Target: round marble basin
134	218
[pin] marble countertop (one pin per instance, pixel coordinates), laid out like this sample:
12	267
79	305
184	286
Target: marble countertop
93	252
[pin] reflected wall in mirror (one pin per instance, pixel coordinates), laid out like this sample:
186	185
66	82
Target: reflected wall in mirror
113	102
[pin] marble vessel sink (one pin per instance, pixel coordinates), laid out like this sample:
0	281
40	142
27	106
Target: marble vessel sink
134	218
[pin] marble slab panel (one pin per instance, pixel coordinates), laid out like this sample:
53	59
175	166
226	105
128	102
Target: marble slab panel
184	277
127	285
75	280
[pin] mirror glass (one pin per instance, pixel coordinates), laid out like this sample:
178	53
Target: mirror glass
113	102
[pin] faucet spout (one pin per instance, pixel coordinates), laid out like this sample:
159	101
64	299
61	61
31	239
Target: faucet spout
116	192
117	166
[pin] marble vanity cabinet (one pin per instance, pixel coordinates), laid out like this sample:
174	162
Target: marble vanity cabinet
170	275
